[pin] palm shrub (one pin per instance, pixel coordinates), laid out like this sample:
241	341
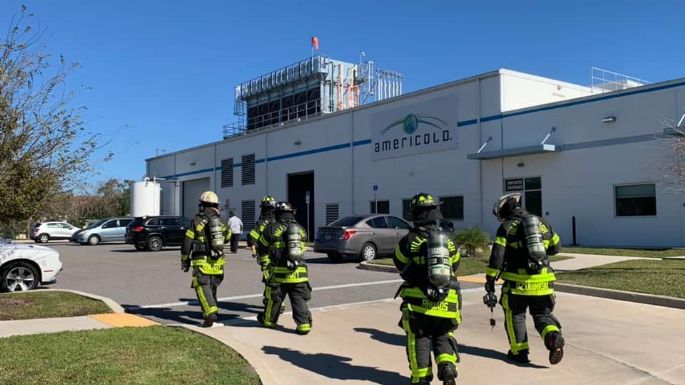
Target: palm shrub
473	241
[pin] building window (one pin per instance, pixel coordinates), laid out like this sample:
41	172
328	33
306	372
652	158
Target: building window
227	172
635	200
248	162
380	207
332	213
248	217
405	209
452	207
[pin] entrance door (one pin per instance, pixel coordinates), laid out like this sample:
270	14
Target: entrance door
301	196
192	190
531	192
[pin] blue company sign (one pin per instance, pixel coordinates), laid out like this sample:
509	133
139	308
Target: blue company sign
424	129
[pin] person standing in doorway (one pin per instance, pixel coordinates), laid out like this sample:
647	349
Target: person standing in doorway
236	226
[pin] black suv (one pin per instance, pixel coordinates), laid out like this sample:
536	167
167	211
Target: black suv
153	233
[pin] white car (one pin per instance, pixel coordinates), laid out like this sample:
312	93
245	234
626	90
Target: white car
43	232
24	267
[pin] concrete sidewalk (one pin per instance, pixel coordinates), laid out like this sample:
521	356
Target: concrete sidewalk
362	344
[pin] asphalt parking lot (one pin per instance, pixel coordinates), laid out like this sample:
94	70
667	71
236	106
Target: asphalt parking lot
152	284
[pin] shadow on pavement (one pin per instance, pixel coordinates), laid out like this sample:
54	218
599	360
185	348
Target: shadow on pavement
384	337
333	366
228	311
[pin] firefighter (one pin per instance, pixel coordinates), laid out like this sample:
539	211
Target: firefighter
520	257
203	250
285	269
427	260
260	253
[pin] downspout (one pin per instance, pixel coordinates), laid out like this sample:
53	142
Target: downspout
480	162
352	159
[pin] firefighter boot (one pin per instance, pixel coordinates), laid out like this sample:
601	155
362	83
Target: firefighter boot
555	344
520	357
209	320
447	373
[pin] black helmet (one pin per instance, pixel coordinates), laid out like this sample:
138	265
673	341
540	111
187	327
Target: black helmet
284	207
268	201
422	201
505	205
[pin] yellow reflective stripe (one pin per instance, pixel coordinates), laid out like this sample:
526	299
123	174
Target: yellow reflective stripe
200	227
455	258
263	241
290	276
411	346
446	357
304	327
400	256
545	243
491	272
214	267
447	308
190	234
509	326
555	240
549	329
543	276
269	306
502	241
184	257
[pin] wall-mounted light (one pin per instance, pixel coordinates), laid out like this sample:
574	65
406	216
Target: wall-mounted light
297	142
609	119
193	163
520	164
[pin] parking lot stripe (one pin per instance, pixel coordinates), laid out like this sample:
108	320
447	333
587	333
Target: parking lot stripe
237	297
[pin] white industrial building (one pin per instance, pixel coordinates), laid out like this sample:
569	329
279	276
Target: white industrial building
591	156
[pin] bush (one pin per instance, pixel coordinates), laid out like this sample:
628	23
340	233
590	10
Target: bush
473	242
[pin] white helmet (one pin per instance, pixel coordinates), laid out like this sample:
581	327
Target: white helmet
505	204
209	197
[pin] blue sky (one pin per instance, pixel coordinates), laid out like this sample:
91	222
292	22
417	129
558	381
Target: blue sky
161	73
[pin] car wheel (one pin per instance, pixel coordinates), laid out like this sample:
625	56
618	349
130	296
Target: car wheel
368	252
19	276
139	247
335	257
93	240
43	238
154	244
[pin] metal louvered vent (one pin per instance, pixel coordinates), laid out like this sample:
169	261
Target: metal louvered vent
227	172
332	212
248	168
248	215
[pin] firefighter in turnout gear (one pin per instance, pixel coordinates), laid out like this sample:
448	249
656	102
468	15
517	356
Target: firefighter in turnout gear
285	269
520	257
427	260
259	252
203	250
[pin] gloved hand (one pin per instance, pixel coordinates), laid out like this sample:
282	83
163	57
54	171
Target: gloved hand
490	284
490	299
185	265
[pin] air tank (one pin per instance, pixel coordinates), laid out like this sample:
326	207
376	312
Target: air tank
145	198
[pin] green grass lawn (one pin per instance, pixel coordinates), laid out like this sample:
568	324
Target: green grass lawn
625	252
656	276
152	356
467	266
47	304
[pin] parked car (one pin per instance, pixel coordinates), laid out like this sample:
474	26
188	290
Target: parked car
365	236
153	233
46	231
105	230
24	267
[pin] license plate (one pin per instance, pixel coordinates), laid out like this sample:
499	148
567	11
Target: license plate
327	237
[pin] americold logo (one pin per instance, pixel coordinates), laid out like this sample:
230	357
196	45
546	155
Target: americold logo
410	126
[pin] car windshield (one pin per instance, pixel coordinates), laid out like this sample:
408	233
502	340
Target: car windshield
347	221
96	224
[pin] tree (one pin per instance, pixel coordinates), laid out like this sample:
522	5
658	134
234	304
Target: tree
44	146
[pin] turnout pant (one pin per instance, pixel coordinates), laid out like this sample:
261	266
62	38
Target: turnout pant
205	287
515	305
299	293
425	334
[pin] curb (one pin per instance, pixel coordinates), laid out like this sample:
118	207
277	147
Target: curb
649	299
369	266
628	296
116	308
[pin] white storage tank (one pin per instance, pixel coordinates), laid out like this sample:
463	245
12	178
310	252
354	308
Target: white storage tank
145	198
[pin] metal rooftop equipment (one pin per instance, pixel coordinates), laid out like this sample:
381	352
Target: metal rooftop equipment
606	81
310	87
